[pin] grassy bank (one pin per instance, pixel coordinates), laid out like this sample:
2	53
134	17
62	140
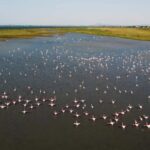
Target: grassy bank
129	33
26	33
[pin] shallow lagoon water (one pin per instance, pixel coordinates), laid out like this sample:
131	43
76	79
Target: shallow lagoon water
74	66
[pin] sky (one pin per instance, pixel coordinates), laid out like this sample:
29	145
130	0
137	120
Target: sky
74	12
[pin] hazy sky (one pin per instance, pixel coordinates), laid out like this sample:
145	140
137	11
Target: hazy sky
75	12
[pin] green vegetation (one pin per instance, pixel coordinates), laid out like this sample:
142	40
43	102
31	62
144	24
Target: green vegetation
122	32
26	33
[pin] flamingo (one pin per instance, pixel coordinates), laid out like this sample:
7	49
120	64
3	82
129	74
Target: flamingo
116	119
145	117
27	101
77	115
116	114
75	101
127	110
130	106
82	100
104	117
77	105
63	110
55	113
71	111
38	103
31	106
111	123
93	118
113	101
19	100
14	102
52	99
25	104
92	106
76	123
44	100
147	125
67	106
24	111
36	99
52	104
7	104
100	101
140	118
123	126
135	124
122	112
140	107
2	106
86	113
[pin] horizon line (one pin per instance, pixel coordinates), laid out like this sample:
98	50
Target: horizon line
32	25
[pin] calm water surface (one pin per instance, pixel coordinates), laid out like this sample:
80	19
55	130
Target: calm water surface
70	67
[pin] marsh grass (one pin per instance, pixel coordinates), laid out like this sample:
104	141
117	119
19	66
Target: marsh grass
122	32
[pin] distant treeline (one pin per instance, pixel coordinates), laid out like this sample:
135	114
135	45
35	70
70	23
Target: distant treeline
24	27
30	26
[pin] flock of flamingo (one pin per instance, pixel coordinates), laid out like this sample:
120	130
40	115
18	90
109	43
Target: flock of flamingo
79	77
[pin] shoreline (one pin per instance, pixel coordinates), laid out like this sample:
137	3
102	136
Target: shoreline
120	32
